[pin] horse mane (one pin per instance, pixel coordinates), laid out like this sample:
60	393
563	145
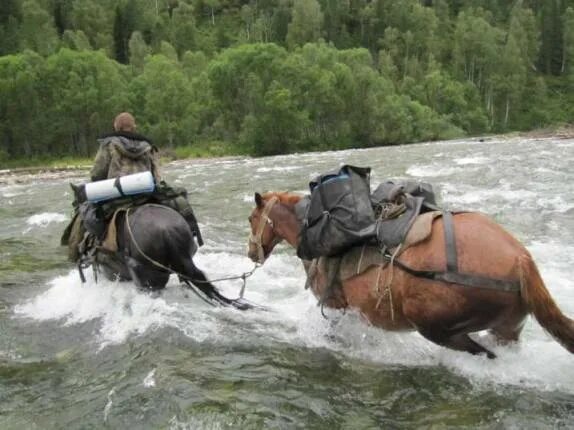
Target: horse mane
285	197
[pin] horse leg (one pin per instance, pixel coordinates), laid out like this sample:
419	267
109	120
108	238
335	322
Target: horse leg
146	277
508	332
457	341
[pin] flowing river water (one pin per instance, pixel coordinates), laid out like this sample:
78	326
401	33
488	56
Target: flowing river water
104	355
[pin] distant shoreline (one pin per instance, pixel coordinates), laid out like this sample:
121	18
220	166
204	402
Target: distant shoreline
26	174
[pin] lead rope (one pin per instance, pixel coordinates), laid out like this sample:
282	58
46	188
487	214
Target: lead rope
243	276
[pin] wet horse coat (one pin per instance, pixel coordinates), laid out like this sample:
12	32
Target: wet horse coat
444	313
153	242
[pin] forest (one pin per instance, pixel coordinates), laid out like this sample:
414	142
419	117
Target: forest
264	77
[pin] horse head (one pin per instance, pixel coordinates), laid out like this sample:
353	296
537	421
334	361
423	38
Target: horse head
272	220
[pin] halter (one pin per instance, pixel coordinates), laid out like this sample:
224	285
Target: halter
256	239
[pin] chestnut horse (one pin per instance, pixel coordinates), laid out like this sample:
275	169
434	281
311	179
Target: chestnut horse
444	313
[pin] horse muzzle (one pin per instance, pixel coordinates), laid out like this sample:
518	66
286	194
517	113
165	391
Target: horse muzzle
256	254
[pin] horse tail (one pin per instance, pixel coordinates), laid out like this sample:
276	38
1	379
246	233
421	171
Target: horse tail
542	305
195	278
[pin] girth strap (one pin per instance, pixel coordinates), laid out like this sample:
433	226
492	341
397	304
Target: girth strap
451	275
450	243
468	280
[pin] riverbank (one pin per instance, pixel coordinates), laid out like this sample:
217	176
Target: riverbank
71	167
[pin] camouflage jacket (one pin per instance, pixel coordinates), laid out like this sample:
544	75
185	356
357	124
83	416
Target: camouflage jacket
122	154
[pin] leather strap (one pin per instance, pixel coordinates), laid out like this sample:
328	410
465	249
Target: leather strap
464	279
118	185
265	220
450	243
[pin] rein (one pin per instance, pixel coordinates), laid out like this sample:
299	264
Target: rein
256	239
243	276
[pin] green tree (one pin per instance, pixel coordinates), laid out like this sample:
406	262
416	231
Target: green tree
525	32
76	40
509	79
477	52
138	51
10	17
306	23
568	55
95	21
161	98
37	31
239	78
184	28
126	18
21	109
86	90
279	127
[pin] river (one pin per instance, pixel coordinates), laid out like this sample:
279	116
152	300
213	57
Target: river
104	355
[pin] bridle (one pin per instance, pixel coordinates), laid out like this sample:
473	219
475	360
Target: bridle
265	220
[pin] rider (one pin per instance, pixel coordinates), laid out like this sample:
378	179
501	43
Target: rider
124	152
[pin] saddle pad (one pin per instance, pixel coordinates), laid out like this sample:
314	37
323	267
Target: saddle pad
110	242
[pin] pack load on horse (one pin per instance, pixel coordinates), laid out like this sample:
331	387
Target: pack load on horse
131	224
405	264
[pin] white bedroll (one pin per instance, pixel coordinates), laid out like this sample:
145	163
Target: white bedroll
128	185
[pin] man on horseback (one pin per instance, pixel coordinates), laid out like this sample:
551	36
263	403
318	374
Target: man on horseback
122	152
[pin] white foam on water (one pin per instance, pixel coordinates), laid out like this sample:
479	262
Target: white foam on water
45	218
432	171
466	195
294	318
277	169
524	364
555	203
122	310
109	404
471	160
149	380
10	195
203	421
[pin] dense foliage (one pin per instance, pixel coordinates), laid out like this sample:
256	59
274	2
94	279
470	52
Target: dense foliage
276	76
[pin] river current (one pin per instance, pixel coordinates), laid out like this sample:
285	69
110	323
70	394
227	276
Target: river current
105	355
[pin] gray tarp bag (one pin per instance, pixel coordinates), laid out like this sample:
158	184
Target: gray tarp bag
416	197
339	214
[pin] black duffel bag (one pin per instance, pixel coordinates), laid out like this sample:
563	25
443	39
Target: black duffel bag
339	214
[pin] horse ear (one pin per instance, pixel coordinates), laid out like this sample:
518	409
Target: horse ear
75	189
258	200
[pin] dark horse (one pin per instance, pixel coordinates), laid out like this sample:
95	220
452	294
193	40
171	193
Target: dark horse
153	242
444	313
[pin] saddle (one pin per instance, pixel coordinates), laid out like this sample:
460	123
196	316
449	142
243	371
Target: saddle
396	207
359	259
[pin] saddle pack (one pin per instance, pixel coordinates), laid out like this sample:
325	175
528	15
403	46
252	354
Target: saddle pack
338	213
341	212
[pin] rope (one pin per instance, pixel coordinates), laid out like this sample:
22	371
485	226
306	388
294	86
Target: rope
243	276
388	283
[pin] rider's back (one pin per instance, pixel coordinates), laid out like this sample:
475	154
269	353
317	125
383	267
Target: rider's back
123	153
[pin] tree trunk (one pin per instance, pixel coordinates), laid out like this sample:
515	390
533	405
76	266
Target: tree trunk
506	114
406	61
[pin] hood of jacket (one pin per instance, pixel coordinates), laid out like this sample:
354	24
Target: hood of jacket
127	144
